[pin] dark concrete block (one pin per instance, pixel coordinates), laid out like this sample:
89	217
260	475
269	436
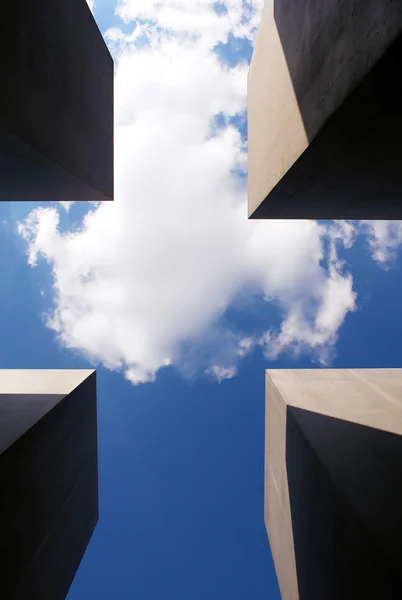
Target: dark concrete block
48	482
345	489
352	169
56	104
324	97
333	482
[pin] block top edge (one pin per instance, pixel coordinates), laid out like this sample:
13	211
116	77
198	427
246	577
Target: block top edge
42	381
371	397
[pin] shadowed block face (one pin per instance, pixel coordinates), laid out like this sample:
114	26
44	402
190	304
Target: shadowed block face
27	395
56	105
48	479
333	486
323	96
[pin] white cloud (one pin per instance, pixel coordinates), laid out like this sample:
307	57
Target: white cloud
313	324
221	373
194	19
66	204
384	238
144	282
245	346
345	231
91	4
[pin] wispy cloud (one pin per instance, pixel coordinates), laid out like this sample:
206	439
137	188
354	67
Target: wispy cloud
221	373
314	324
385	239
66	204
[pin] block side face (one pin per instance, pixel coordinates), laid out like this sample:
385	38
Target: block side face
27	395
19	412
330	47
358	520
276	133
49	488
371	397
44	179
314	518
58	74
325	50
276	503
53	569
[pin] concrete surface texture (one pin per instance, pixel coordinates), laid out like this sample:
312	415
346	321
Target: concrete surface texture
333	482
48	479
56	106
26	395
309	58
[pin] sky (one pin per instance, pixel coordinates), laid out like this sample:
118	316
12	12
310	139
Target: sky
181	303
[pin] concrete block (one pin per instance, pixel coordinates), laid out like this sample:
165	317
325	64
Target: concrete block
56	103
333	482
324	123
48	479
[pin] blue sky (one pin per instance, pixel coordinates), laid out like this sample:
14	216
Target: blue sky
171	289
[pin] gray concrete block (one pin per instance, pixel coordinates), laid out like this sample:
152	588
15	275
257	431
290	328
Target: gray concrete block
333	482
56	103
48	479
324	124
